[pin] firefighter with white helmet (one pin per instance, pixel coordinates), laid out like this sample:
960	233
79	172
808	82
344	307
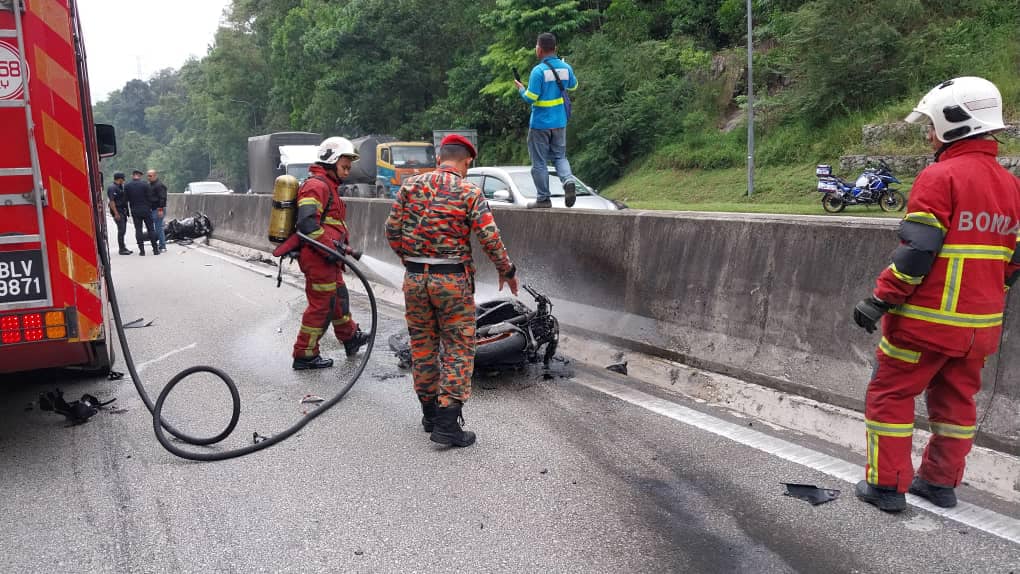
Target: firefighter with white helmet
941	300
321	215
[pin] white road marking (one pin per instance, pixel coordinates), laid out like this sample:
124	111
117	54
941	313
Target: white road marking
142	366
971	515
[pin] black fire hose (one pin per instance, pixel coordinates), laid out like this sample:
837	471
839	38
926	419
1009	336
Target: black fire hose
161	426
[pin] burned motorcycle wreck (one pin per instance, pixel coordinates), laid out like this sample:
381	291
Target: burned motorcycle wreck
509	334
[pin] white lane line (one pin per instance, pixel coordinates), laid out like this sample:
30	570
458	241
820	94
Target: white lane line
142	366
973	516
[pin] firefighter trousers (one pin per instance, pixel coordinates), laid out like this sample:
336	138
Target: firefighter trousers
328	303
901	375
440	312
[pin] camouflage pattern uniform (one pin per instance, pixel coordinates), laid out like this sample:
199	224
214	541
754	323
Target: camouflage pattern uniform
433	217
328	299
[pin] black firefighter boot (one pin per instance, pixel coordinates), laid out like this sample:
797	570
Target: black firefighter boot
141	249
884	498
357	341
316	362
944	496
447	428
428	413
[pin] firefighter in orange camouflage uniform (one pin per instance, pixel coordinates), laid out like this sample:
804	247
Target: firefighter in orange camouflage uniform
321	215
430	228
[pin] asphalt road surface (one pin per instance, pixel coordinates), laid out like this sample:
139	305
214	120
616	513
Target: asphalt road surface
563	478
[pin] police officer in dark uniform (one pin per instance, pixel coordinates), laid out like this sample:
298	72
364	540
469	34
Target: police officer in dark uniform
140	202
119	209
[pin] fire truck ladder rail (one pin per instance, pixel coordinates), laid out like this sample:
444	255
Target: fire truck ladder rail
38	193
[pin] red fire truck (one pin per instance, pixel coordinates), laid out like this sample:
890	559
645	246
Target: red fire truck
53	310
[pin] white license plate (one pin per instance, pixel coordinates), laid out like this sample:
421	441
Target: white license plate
21	276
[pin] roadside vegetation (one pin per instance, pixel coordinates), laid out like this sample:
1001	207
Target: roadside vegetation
659	117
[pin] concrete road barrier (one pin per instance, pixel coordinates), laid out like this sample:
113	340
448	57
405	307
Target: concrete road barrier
763	298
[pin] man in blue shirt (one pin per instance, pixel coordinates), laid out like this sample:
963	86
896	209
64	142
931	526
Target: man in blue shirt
546	91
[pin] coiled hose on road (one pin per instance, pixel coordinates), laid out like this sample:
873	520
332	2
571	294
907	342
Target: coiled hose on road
162	427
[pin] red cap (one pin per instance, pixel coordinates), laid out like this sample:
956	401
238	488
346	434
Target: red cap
457	139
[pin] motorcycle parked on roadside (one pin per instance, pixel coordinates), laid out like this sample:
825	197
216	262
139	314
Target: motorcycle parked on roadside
872	187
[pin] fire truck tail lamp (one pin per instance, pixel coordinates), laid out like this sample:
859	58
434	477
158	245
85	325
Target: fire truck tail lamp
33	326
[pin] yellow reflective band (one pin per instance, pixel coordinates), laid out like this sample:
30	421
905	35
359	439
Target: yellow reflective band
531	95
947	317
889	429
312	330
895	352
953	431
317	233
925	218
309	201
872	457
995	252
549	103
954	280
332	221
324	286
342	320
908	279
574	88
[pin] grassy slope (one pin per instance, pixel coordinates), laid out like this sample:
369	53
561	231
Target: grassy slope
779	189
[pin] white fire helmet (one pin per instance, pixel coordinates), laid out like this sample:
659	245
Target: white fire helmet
332	149
960	108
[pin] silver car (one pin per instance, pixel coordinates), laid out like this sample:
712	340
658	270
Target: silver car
512	185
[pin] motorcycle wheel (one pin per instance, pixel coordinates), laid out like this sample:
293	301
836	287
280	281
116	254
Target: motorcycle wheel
503	350
892	201
833	204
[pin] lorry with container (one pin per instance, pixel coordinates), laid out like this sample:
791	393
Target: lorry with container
280	153
53	309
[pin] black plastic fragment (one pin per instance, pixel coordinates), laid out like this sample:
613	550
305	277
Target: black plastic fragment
810	493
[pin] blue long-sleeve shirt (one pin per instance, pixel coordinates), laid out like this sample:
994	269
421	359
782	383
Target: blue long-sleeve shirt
543	93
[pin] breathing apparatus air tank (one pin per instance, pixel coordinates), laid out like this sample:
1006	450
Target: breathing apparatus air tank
284	215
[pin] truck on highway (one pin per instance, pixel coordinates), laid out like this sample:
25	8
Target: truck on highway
52	202
384	165
276	154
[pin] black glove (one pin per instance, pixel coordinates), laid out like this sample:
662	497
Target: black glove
869	312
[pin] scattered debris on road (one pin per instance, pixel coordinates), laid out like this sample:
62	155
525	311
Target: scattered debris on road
77	412
810	493
137	323
312	399
620	367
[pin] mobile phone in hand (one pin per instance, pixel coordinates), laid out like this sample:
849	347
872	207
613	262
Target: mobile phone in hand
517	76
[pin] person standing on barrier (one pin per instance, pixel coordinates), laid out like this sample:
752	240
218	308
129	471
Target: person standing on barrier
941	301
547	92
140	201
321	216
429	228
159	206
119	210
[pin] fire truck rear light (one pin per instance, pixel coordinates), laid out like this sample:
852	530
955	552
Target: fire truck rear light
32	324
10	329
55	328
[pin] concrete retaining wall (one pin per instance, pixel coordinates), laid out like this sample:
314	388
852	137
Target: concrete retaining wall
763	298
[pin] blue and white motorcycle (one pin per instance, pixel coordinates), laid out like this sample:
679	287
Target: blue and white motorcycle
873	187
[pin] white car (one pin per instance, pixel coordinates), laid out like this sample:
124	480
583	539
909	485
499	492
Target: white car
206	187
512	185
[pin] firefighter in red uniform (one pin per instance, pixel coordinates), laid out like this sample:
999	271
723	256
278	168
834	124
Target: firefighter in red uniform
429	228
942	298
321	215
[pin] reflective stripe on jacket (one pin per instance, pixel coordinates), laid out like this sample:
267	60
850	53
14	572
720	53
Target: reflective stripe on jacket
315	193
544	95
959	246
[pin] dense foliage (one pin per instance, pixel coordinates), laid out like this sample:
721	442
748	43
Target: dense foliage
659	80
